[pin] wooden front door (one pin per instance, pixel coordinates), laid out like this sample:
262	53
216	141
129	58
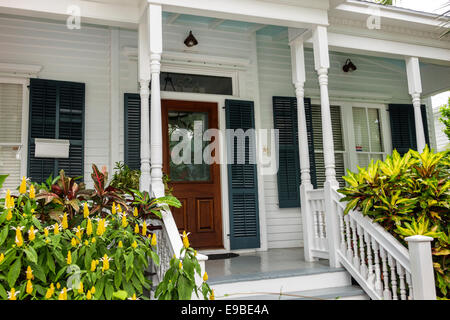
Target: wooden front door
195	182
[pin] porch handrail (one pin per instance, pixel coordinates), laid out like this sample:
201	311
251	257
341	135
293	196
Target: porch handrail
170	244
381	265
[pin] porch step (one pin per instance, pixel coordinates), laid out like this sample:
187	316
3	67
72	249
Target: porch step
336	293
324	284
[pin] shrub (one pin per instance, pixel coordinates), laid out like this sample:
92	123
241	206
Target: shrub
445	118
124	178
179	280
408	195
66	242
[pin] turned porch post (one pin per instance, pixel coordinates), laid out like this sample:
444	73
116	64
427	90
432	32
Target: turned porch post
298	79
144	80
155	27
322	64
415	89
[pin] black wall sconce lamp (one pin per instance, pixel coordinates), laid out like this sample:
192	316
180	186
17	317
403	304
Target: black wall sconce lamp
349	66
190	41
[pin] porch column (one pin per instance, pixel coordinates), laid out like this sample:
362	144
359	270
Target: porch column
298	79
415	89
322	64
144	80
155	20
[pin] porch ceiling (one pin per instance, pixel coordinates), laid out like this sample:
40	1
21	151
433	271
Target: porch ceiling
276	32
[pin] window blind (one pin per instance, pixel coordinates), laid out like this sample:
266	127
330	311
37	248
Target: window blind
10	133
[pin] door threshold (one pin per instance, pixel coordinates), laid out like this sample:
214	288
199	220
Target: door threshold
223	251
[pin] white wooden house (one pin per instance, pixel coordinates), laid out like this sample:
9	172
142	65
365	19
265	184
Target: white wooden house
111	76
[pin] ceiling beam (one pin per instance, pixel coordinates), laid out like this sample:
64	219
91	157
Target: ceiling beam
256	27
215	23
173	17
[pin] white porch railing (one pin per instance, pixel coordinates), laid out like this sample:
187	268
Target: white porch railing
317	229
381	265
170	244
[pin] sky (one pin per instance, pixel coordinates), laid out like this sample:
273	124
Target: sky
433	6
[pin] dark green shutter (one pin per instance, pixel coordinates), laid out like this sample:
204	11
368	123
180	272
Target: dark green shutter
132	130
403	127
242	179
56	112
288	175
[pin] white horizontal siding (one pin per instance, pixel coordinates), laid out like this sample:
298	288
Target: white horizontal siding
67	55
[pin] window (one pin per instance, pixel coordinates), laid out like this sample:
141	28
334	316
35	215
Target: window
368	135
10	133
338	140
56	112
181	82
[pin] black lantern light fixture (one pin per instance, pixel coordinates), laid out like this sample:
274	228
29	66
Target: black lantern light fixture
190	41
348	66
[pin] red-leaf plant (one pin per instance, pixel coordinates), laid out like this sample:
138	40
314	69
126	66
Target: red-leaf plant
104	196
65	195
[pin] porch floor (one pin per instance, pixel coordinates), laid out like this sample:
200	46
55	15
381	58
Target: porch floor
274	263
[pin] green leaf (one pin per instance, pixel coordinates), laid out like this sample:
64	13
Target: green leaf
50	262
3	235
99	285
136	284
121	295
39	273
3	293
129	259
31	254
118	278
155	257
60	273
109	290
185	288
2	179
14	272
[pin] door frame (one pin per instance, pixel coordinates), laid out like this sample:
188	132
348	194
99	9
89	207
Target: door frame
220	101
214	169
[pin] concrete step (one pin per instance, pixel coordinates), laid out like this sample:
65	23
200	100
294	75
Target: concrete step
336	293
273	283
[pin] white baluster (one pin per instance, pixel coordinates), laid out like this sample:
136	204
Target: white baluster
355	245
378	283
410	287
371	274
315	224
348	235
320	222
401	275
386	292
392	264
341	227
363	266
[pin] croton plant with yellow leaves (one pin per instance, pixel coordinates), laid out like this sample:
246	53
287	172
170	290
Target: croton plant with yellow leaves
59	241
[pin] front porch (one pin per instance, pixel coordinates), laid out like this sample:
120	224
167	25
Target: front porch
286	68
279	274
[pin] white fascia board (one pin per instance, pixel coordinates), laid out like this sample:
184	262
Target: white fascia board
390	13
110	14
255	11
386	48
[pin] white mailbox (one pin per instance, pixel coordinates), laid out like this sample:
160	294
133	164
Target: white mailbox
51	148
